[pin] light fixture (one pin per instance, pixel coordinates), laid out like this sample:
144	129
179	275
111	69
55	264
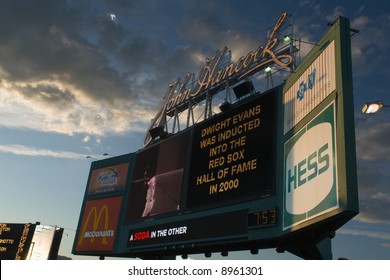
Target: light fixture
373	107
224	253
286	39
225	106
243	89
107	154
254	251
280	250
267	69
156	132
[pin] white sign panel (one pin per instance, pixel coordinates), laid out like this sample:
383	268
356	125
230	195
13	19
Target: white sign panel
41	243
315	84
310	170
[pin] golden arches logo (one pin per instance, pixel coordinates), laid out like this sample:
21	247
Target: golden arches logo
96	220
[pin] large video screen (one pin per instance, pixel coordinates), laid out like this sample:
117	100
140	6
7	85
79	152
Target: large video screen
233	155
157	180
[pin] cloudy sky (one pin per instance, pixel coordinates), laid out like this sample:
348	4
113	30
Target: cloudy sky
83	78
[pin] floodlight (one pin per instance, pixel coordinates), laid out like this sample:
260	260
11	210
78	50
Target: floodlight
372	107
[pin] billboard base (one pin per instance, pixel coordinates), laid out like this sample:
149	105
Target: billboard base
321	250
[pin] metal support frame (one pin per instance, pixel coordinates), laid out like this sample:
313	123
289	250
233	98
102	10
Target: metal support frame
190	115
176	120
270	81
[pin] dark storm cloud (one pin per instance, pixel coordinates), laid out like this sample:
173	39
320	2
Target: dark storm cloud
44	40
373	156
202	28
373	138
374	194
48	94
80	45
100	55
216	25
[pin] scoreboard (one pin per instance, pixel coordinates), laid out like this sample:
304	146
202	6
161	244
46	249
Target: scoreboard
15	240
269	172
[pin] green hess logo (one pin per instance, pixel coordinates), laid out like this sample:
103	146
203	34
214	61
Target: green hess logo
310	175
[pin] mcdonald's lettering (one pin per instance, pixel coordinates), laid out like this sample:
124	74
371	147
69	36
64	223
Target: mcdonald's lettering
96	219
97	229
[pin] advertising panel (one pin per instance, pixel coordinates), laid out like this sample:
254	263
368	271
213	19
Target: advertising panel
310	179
233	155
192	229
157	182
313	86
15	240
97	230
107	179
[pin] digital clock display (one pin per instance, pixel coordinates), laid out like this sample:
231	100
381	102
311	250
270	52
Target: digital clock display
264	217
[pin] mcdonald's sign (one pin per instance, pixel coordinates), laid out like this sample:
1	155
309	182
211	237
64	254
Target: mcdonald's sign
98	226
